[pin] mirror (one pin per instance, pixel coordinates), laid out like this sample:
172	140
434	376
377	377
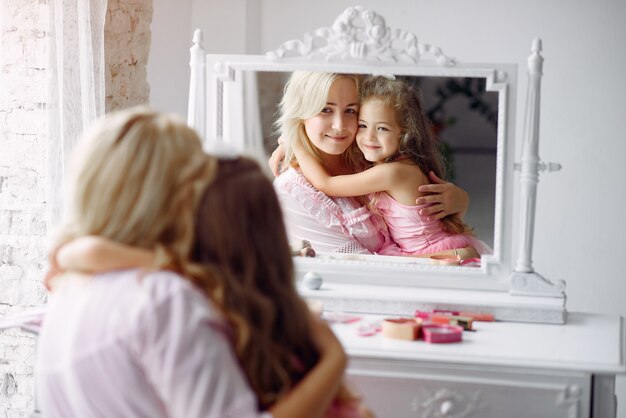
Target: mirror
233	100
464	116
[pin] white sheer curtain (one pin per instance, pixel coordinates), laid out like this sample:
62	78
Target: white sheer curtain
76	84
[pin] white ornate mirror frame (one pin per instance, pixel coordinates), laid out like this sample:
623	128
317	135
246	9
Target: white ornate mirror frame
360	42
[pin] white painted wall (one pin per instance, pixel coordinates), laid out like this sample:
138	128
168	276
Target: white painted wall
580	229
229	27
168	62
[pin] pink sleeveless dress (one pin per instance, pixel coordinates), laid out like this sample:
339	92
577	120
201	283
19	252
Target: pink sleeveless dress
415	234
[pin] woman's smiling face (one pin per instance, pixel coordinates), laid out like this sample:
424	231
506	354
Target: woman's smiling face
333	130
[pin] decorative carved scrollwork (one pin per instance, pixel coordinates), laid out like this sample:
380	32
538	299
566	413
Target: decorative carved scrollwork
534	284
447	403
360	33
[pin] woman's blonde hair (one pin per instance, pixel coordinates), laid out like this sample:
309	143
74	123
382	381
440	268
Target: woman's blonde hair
304	96
137	177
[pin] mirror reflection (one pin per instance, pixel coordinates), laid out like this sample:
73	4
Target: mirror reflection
461	116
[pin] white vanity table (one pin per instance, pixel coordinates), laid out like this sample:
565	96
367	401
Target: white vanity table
503	369
536	360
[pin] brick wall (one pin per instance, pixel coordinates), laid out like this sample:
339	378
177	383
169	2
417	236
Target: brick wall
23	71
24	37
126	45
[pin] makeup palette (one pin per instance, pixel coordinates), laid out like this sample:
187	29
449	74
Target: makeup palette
436	333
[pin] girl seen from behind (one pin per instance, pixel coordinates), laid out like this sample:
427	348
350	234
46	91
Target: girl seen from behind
398	146
242	246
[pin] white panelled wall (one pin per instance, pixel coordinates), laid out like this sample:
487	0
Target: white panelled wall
580	233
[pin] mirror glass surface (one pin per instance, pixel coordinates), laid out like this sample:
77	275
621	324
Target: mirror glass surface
471	108
464	116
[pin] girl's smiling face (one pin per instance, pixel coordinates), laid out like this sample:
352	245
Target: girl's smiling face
378	136
332	130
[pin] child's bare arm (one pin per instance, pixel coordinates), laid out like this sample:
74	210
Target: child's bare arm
315	392
276	159
97	254
376	179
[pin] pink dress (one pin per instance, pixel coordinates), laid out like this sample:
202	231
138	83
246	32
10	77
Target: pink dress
415	234
331	224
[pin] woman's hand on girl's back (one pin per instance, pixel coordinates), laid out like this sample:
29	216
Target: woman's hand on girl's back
53	268
444	199
276	159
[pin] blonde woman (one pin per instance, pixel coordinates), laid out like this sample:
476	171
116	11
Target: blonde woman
149	343
320	112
